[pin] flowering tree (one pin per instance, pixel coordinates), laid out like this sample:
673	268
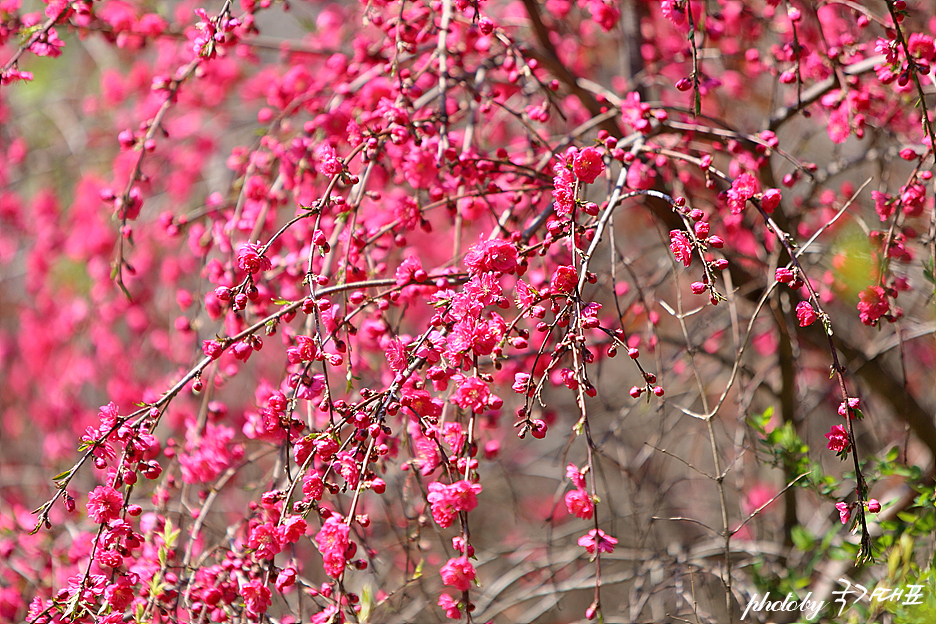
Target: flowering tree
328	298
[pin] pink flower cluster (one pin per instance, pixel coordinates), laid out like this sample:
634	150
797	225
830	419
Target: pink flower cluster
578	501
334	543
838	439
458	573
402	233
447	500
250	259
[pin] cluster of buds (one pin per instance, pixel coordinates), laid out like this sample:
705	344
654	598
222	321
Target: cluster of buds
790	277
649	382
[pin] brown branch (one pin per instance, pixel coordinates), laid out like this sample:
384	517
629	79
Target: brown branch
813	93
550	59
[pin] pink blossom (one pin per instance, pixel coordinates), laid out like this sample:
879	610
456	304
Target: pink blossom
212	348
743	188
680	246
588	165
458	573
328	161
348	468
521	383
421	402
473	334
579	503
396	356
50	45
407	230
420	168
913	198
265	541
888	48
873	305
464	495
844	510
492	255
596	538
838	439
120	594
839	128
428	457
454	436
485	26
406	209
305	350
208	453
641	175
805	314
458	543
450	605
604	14
770	200
577	476
285	579
292	529
326	447
922	47
564	280
849	411
257	597
447	500
14	75
484	288
635	113
758	495
673	12
313	486
472	394
883	205
333	542
104	504
410	270
250	259
563	189
332	614
526	295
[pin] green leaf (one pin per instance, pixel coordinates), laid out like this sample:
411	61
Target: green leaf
889	525
367	604
170	535
802	539
26	33
929	272
759	421
156	585
892	455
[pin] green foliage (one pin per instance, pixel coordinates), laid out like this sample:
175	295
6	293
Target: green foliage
787	450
